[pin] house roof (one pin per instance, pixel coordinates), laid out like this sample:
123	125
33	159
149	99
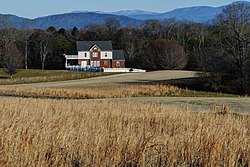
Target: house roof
118	55
86	45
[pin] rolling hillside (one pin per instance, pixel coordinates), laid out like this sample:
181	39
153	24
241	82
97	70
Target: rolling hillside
81	19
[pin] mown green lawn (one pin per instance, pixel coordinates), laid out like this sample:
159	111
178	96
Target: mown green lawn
34	73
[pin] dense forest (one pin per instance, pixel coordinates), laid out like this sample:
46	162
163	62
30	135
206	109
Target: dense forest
220	51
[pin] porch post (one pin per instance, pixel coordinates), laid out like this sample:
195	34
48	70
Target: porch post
66	62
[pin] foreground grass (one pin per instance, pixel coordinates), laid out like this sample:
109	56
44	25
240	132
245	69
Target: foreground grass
101	92
100	133
36	76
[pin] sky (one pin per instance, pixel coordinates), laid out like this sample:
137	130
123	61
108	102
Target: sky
39	8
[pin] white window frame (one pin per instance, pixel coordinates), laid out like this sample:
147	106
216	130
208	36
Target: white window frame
98	64
95	54
95	64
118	64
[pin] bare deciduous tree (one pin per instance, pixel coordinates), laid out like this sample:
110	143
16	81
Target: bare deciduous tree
169	54
226	62
199	33
44	50
234	22
152	28
133	46
8	33
213	67
43	46
12	59
25	35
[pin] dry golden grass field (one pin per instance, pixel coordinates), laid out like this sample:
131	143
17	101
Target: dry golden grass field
110	123
138	93
115	91
45	132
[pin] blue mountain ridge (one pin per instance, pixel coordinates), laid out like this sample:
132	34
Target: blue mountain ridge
81	19
201	14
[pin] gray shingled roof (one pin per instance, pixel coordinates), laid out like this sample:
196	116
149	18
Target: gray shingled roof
86	45
118	55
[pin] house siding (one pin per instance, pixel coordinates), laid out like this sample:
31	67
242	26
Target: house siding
95	58
80	60
108	65
114	64
109	55
81	55
106	56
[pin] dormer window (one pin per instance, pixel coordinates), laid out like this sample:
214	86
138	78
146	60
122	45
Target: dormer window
95	54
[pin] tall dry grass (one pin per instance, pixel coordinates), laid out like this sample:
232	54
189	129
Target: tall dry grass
37	132
121	91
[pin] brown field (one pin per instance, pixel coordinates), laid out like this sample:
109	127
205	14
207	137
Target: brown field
38	132
115	91
155	94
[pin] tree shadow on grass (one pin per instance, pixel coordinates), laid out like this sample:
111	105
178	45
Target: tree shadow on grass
1	77
189	83
185	83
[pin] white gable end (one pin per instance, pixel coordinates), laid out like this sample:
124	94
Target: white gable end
83	55
107	55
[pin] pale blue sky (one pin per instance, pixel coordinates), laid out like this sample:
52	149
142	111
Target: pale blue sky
37	8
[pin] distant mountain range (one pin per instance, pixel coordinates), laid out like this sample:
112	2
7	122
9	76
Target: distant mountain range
200	14
81	19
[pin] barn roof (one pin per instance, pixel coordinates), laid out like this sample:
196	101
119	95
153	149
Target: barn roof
118	55
86	45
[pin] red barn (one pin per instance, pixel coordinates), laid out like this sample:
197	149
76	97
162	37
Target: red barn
96	54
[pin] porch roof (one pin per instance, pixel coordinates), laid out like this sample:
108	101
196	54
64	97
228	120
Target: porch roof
118	55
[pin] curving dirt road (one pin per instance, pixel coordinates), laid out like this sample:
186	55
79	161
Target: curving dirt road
126	78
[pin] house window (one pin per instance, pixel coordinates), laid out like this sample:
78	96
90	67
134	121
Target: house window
118	64
85	54
105	62
95	54
95	63
98	64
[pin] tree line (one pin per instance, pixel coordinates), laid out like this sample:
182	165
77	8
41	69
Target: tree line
220	51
